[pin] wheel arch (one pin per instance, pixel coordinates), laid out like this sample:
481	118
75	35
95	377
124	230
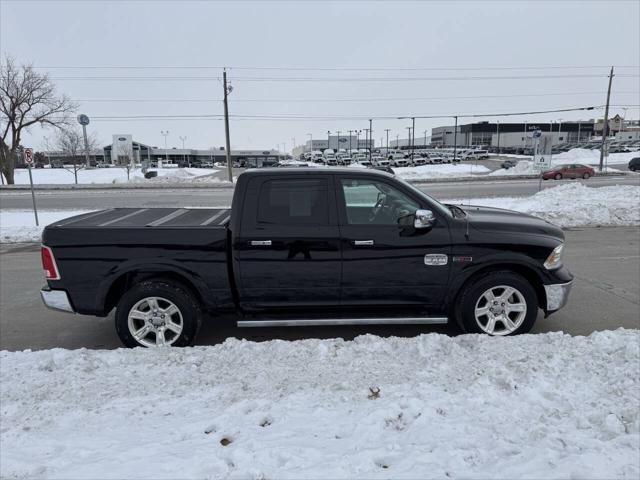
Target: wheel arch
526	271
112	291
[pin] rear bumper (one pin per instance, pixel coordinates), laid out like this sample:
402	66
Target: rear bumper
557	295
56	300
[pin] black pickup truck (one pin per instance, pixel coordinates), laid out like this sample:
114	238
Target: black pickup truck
330	246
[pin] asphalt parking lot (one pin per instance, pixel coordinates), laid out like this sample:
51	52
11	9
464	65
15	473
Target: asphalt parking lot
606	295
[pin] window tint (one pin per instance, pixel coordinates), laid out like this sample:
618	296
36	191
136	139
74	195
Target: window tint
370	202
294	202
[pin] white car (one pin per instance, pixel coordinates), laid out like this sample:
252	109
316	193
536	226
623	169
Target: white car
398	160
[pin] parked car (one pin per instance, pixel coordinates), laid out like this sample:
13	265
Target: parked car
568	171
103	165
634	164
306	246
507	164
207	164
57	164
399	160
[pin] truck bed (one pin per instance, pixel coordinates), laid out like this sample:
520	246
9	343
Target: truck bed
148	217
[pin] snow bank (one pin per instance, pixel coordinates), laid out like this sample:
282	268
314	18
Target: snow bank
592	157
20	225
59	176
426	172
525	167
573	205
536	406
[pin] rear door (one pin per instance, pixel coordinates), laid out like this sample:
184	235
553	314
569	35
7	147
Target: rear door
288	246
385	260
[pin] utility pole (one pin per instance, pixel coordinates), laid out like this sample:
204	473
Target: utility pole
498	132
328	138
350	131
605	125
338	146
370	137
227	90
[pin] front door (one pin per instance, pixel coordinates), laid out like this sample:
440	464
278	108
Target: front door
289	247
386	261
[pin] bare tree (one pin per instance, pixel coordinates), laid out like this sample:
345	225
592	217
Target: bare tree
124	159
70	143
27	98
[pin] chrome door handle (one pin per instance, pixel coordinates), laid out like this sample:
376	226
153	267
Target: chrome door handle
260	243
363	243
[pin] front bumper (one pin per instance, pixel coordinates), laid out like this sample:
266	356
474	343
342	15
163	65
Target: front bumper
56	300
557	295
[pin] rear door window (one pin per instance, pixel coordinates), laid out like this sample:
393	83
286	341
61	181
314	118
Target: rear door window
294	202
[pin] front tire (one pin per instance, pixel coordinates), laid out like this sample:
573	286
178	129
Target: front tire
558	176
158	313
585	175
499	304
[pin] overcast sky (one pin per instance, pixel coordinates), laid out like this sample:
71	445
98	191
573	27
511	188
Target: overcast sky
427	39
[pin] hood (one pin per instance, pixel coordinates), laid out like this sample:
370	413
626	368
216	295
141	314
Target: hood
487	219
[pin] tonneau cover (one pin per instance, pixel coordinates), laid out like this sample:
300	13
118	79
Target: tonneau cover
149	217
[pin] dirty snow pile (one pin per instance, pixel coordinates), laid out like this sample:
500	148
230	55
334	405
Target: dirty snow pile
574	205
525	167
448	170
536	406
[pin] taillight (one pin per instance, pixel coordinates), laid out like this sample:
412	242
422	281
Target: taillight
49	264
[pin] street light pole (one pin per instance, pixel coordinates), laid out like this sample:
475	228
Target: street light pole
350	132
165	133
413	137
338	145
370	137
387	130
455	140
184	155
227	139
310	142
328	139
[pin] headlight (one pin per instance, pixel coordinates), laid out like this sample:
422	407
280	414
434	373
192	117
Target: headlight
554	260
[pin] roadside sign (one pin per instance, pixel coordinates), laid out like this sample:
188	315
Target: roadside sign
542	155
541	162
28	156
28	159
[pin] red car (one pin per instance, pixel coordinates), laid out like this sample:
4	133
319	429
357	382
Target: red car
569	171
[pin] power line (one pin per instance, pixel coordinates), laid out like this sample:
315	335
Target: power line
326	68
335	117
325	100
336	79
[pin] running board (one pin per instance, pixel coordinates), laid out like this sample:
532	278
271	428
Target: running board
344	321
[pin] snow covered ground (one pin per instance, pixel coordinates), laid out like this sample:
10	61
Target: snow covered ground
574	205
533	406
568	205
20	225
449	170
58	176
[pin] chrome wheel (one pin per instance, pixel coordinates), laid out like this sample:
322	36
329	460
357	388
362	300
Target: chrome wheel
500	310
155	321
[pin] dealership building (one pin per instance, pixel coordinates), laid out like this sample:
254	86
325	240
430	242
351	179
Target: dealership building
125	149
503	135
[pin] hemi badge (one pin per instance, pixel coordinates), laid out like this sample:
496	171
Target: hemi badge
463	259
436	259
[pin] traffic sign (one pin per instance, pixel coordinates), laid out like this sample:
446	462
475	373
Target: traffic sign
28	156
83	119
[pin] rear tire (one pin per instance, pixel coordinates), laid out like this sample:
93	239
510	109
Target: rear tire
558	176
158	313
514	313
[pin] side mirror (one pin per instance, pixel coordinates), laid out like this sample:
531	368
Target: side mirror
424	219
